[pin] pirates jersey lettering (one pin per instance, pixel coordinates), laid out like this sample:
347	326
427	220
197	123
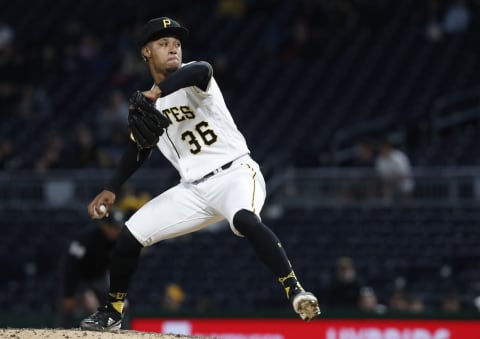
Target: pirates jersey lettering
179	114
202	137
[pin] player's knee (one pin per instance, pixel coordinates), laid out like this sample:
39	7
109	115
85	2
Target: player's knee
127	243
246	222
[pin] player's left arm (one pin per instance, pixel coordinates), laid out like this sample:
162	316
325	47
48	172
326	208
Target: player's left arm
197	73
130	162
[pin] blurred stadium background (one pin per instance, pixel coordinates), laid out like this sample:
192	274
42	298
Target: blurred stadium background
308	82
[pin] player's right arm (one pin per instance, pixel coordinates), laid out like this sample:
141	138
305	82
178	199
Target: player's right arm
195	73
131	160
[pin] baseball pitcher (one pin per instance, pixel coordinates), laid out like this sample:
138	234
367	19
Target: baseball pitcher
185	117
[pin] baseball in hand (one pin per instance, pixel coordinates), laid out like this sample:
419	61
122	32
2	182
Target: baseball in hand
100	212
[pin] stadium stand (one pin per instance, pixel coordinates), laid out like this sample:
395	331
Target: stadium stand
372	70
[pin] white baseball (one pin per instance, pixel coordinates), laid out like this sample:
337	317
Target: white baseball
100	213
102	209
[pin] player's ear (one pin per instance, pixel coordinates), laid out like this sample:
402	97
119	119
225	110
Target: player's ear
146	53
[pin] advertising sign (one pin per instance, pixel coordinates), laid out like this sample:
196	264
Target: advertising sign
240	328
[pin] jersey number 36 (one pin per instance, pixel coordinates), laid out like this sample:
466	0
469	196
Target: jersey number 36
206	134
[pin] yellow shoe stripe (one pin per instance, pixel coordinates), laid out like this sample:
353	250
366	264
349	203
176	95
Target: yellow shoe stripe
118	306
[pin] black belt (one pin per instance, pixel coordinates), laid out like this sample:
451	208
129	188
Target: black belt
212	173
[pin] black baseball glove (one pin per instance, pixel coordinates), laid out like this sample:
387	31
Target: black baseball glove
146	123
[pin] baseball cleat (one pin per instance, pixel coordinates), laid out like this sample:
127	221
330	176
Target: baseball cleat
105	319
306	305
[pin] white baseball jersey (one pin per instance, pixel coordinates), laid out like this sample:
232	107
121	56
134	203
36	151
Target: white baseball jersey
202	138
202	135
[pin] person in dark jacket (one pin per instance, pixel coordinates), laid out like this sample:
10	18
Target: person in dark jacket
84	269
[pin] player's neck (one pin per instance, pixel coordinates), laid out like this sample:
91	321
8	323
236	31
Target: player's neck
158	77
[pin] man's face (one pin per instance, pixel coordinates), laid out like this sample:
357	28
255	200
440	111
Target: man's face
345	273
165	54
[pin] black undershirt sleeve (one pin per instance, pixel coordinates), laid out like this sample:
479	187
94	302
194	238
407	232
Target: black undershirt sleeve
196	73
131	160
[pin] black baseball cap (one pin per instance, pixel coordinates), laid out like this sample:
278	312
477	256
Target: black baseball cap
162	27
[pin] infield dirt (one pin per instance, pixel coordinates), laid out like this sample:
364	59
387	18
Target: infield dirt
31	333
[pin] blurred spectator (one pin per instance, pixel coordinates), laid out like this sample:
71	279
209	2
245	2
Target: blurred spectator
368	301
84	270
111	150
7	153
7	35
364	154
49	61
91	55
363	187
231	8
476	303
88	48
131	66
416	305
203	304
398	302
113	115
51	156
457	17
83	151
10	69
434	29
394	170
451	303
34	105
298	45
344	291
173	298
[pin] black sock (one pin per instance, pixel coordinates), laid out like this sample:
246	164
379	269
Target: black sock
268	249
124	263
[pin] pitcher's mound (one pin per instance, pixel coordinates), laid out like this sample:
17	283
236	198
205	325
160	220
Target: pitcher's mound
30	333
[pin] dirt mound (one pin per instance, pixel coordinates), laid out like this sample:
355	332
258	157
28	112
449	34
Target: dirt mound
30	333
